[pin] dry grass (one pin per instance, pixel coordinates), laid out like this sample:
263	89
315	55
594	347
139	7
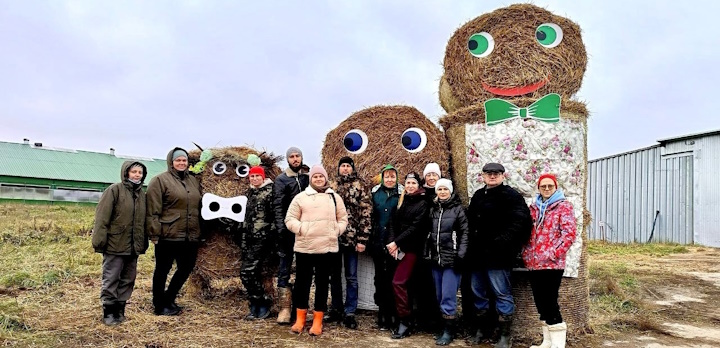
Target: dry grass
66	311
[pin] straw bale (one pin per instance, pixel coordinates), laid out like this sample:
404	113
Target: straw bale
384	126
517	59
218	265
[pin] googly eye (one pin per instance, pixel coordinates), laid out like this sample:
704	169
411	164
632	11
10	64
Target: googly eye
355	141
219	168
242	170
548	35
414	140
481	44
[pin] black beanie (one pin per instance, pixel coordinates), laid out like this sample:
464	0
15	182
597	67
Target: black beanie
347	160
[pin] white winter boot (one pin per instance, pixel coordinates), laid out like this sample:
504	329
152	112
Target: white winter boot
558	334
546	337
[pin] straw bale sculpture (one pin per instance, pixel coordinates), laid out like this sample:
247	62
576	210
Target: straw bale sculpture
378	135
508	85
223	172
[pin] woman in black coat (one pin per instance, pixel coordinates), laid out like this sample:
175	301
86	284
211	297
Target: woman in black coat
445	247
409	229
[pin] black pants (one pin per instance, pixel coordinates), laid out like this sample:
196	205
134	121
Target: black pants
423	287
305	266
184	254
545	285
384	271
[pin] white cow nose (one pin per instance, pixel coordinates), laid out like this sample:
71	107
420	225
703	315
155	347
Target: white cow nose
214	206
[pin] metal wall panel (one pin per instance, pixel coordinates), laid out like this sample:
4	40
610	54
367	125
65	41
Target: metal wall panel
707	191
625	192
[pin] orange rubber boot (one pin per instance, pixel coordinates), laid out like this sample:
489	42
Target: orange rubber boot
299	321
316	328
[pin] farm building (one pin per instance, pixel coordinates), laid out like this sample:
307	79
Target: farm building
34	173
668	192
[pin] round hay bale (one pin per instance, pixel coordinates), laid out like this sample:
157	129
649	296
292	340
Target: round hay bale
384	127
217	271
517	60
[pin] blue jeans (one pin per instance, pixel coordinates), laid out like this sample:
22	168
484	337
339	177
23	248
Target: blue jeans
497	280
447	282
350	262
284	269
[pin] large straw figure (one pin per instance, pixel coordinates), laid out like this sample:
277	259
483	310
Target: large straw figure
375	136
223	172
509	77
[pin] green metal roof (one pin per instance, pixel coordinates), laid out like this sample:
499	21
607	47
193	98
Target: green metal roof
23	160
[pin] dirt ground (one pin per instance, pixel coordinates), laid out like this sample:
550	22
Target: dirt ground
680	294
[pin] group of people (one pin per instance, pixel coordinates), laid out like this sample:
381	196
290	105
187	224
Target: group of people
422	240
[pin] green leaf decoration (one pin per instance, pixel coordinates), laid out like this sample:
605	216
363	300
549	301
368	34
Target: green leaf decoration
253	160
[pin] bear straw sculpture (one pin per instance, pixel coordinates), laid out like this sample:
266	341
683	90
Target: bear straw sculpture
223	172
508	82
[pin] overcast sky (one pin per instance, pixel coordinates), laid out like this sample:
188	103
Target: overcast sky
145	76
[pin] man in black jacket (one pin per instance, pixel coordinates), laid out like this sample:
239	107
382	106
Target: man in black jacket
287	185
500	224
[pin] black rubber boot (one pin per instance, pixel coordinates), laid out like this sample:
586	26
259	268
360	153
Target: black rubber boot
263	309
333	316
120	312
252	310
350	322
505	324
448	334
404	329
482	324
109	315
382	323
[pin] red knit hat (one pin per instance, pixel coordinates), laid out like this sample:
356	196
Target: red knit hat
258	170
547	176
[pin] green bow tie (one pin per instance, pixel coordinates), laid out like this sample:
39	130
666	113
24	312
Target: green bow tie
545	109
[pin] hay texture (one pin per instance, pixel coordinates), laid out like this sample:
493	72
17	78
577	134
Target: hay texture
217	270
384	127
521	71
518	59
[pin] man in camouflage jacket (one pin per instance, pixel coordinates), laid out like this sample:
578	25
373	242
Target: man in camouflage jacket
359	207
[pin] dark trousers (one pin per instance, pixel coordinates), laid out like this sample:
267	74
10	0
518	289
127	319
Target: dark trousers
305	266
545	285
384	272
447	283
256	257
286	244
400	283
423	286
184	254
118	278
350	264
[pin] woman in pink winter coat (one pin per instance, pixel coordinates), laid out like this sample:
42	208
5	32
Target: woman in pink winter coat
553	233
316	216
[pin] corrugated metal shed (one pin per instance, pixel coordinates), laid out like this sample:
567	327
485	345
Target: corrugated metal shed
669	190
24	160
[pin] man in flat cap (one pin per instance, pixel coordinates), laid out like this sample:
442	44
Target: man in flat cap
500	224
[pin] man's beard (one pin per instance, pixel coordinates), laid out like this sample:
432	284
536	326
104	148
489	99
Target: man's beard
295	169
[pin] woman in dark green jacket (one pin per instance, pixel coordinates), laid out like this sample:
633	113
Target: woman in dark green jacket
384	200
119	234
173	224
